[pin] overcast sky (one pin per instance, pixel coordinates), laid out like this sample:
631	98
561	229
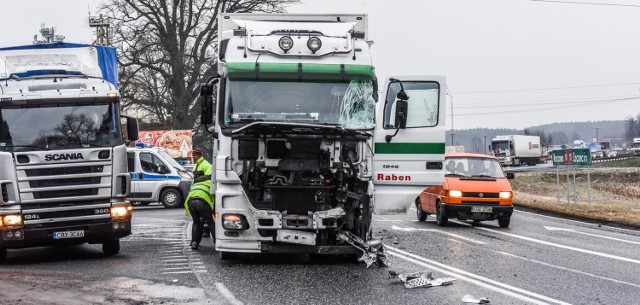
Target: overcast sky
508	63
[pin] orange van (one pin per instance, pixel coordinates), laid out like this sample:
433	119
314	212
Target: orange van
475	188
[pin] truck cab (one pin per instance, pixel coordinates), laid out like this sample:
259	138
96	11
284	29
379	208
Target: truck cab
157	177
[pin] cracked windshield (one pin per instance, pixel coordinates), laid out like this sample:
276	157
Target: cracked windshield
346	104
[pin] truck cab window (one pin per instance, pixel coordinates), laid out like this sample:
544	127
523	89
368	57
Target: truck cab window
423	104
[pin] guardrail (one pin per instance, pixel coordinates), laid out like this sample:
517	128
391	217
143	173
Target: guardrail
616	158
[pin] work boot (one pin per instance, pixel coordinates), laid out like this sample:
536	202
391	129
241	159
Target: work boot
194	245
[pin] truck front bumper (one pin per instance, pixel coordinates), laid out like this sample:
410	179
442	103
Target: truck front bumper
463	211
93	233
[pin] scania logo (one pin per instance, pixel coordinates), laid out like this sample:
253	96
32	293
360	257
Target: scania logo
58	157
481	195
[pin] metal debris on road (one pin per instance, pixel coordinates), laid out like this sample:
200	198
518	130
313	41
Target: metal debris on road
372	250
467	298
420	279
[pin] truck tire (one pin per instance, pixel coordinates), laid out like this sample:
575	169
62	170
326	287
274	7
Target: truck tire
111	247
3	256
441	217
171	198
420	214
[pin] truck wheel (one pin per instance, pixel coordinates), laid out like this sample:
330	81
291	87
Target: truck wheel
504	222
420	214
441	218
3	255
111	247
171	198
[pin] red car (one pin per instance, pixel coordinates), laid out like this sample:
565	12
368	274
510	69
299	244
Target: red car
475	188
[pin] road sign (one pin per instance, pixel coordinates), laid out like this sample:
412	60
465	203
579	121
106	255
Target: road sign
575	156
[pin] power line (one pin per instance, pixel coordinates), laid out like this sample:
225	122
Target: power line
545	102
587	3
543	109
544	89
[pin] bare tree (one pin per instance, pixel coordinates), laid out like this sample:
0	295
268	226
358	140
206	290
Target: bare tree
166	48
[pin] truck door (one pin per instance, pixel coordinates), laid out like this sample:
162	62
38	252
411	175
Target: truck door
409	140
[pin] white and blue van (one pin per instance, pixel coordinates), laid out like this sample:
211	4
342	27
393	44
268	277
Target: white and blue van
157	177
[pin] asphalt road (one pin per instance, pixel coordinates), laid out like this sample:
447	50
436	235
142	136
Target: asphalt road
538	260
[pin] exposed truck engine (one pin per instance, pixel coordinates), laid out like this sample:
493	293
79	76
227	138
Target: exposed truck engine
63	164
298	153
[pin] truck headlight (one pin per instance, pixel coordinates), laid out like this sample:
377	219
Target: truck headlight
314	44
234	222
455	193
11	220
285	43
120	212
506	195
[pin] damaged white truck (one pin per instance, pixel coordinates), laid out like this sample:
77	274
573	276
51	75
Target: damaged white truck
63	162
304	153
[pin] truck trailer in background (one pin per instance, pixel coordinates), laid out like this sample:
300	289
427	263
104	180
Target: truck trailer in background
515	150
63	162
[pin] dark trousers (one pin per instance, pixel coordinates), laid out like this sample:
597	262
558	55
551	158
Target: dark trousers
200	213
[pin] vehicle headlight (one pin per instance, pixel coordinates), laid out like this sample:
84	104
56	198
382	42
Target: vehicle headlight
285	43
455	193
506	195
234	222
185	175
11	220
314	44
120	212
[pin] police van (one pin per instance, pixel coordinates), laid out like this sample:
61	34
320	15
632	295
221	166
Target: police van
157	177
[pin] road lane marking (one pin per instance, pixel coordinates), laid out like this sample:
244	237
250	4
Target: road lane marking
590	224
591	234
611	256
227	294
409	229
569	269
481	281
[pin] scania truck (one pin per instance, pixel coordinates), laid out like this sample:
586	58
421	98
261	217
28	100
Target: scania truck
63	162
304	151
516	150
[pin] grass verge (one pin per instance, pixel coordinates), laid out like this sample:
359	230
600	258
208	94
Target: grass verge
615	194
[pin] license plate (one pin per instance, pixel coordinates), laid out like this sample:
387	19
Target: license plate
481	209
296	237
68	234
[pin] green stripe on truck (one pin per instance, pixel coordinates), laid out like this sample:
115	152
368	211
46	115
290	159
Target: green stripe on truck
241	68
409	148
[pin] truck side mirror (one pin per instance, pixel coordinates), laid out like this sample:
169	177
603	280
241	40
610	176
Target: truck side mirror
164	169
510	175
401	112
132	129
206	101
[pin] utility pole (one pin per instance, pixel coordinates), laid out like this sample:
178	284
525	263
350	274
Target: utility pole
485	144
448	92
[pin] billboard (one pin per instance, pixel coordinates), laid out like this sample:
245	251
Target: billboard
177	142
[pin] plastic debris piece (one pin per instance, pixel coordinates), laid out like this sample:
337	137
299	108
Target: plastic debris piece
420	279
372	250
467	298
